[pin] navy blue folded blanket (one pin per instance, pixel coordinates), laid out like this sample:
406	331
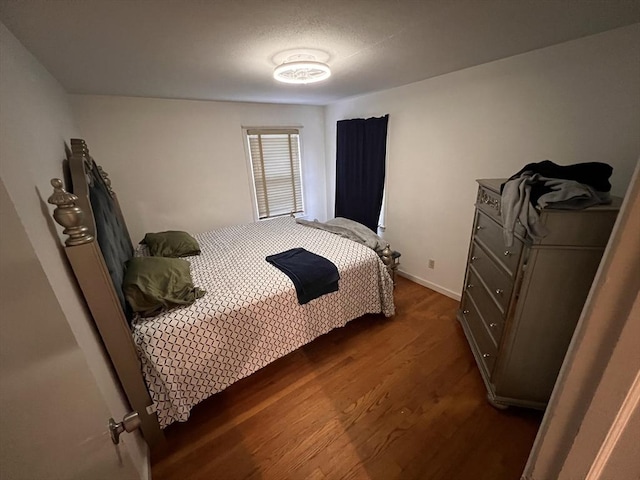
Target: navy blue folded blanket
312	275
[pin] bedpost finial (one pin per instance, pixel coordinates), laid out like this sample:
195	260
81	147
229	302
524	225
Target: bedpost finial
60	196
68	215
387	256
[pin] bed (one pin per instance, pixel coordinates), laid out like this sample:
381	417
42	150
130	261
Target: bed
249	317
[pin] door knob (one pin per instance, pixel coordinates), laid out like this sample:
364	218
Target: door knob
130	422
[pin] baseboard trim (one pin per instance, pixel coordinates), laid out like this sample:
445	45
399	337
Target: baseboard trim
432	286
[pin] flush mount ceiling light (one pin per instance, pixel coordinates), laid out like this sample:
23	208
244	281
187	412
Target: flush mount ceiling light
302	69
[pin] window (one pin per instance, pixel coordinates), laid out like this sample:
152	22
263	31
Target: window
275	164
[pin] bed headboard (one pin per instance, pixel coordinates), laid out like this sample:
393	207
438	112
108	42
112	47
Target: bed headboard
103	218
98	245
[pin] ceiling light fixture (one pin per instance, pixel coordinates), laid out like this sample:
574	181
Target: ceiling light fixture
302	69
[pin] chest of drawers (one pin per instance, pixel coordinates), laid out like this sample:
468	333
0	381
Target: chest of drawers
520	304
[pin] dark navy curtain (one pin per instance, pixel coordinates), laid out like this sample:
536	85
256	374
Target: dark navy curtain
360	167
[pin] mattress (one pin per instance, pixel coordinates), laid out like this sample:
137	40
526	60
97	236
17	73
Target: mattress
250	315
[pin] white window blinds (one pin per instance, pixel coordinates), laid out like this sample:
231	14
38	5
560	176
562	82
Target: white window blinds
275	161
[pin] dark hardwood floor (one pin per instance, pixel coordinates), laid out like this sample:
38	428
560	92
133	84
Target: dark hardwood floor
396	398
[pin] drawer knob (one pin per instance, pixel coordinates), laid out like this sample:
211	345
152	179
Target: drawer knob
469	285
486	355
474	258
465	312
493	325
479	227
507	253
499	291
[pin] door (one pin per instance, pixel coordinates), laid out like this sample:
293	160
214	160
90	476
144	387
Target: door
53	417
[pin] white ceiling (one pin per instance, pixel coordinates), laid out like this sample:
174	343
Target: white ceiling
226	49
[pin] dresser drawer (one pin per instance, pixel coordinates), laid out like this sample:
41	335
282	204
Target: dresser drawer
489	202
490	314
499	283
491	235
486	351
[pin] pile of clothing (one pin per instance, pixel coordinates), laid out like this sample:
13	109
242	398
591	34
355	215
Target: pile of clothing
548	185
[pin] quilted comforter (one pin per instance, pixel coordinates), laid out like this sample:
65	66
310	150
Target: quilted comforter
250	315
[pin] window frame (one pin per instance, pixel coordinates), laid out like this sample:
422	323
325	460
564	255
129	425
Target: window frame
250	173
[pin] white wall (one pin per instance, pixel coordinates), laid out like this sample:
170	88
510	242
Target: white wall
179	164
54	335
574	102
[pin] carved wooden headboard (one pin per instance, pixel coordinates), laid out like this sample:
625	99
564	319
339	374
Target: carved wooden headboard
97	246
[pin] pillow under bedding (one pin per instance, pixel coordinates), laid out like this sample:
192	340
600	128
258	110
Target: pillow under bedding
154	284
173	243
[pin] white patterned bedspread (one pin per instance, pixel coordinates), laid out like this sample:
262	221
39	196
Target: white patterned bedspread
250	315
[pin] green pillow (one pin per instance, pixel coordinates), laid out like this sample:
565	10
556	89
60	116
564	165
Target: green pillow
171	244
154	284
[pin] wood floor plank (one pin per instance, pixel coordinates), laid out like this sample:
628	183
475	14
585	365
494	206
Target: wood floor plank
397	398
